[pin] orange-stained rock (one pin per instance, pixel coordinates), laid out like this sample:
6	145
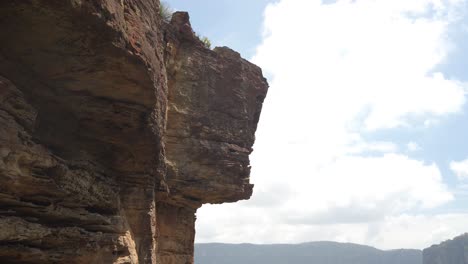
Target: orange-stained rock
115	127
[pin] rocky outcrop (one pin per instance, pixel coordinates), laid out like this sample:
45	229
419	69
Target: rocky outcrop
453	251
115	127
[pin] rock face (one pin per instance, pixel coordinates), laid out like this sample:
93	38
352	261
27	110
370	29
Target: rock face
453	251
115	127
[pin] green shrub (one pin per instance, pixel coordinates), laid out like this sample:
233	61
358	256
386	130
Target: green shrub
206	41
165	11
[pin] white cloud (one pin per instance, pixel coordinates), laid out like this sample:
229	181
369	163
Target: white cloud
353	193
413	146
242	224
361	146
460	168
375	187
341	71
365	58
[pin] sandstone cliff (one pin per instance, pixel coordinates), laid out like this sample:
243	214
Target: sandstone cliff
114	128
453	251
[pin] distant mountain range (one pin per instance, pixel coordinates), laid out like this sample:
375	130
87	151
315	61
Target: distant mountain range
453	251
306	253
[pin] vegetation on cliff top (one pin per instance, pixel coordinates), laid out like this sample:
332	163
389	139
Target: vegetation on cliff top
165	11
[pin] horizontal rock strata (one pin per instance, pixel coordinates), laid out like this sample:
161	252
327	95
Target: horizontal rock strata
115	127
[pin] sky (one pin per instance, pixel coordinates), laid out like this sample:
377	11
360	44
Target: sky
362	136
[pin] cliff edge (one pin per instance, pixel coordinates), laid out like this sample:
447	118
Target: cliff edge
115	127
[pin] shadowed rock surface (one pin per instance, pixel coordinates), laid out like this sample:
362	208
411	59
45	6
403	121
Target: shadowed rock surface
306	253
453	251
115	127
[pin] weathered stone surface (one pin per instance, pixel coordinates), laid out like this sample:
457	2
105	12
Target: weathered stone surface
453	251
114	128
207	154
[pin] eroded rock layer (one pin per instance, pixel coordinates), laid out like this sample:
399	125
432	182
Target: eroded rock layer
115	127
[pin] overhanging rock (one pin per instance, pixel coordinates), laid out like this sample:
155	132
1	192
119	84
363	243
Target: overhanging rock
115	127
